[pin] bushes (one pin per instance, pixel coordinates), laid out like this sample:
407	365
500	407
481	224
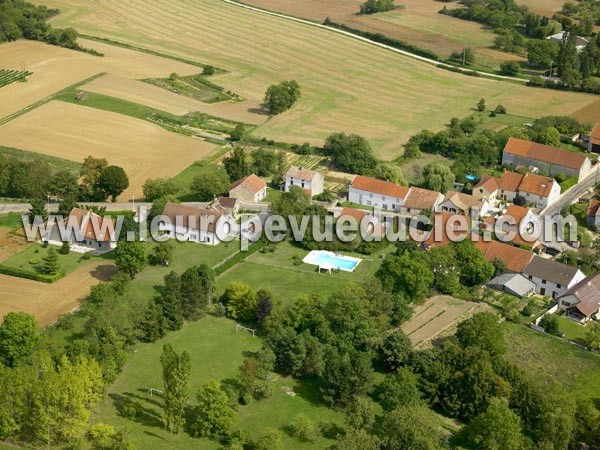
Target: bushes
13	272
303	428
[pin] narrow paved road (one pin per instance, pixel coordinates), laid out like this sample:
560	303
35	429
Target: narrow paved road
574	193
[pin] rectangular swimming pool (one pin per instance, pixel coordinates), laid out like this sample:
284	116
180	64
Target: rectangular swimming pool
330	260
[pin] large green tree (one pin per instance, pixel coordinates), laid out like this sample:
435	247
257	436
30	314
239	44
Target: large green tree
130	257
351	153
19	338
176	371
408	274
214	416
281	97
236	165
438	177
111	183
411	427
206	187
241	301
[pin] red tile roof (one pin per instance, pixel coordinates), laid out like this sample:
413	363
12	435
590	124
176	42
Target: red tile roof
91	222
440	222
593	207
510	181
517	212
379	186
191	217
421	198
300	173
545	153
251	182
536	184
514	258
488	183
595	134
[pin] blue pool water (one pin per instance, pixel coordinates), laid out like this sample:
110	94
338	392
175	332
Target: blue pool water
340	262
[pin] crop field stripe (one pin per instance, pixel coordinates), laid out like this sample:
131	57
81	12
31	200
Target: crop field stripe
433	62
46	99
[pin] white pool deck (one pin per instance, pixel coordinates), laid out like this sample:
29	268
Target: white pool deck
315	258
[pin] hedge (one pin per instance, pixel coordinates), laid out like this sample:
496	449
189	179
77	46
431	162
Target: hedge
240	256
381	39
13	272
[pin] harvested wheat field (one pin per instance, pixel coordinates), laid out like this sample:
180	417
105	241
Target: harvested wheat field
164	100
545	7
55	68
48	301
417	22
438	317
73	132
347	85
589	114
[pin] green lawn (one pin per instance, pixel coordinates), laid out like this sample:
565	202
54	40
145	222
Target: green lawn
501	121
277	272
216	352
68	263
413	169
547	358
185	177
11	220
185	255
572	331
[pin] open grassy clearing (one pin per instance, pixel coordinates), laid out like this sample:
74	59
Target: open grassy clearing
137	146
216	352
438	317
346	84
277	272
550	359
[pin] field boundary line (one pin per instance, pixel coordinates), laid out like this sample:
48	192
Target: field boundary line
47	99
438	64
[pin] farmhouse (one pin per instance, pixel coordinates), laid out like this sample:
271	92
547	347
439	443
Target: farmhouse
593	140
420	201
459	203
582	302
592	215
515	259
580	43
311	181
377	193
530	188
228	206
551	278
188	223
519	152
447	228
95	232
372	225
249	189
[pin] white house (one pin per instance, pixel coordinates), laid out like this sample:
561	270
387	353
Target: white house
582	301
531	188
249	189
551	278
311	181
592	216
188	223
369	191
459	203
580	43
94	232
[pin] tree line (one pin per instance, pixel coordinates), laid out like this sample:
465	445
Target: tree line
22	20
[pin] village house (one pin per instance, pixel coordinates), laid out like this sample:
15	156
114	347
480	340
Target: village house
94	232
515	259
188	223
311	181
530	188
519	152
369	191
514	284
592	215
580	43
465	204
551	278
373	224
228	206
582	301
420	201
593	140
249	189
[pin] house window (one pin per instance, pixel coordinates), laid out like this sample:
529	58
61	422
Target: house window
558	286
543	291
530	277
543	281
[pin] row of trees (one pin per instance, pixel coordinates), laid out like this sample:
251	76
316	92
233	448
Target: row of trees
22	178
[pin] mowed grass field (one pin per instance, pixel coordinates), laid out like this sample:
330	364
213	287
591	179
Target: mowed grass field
216	352
347	85
73	132
549	359
277	272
